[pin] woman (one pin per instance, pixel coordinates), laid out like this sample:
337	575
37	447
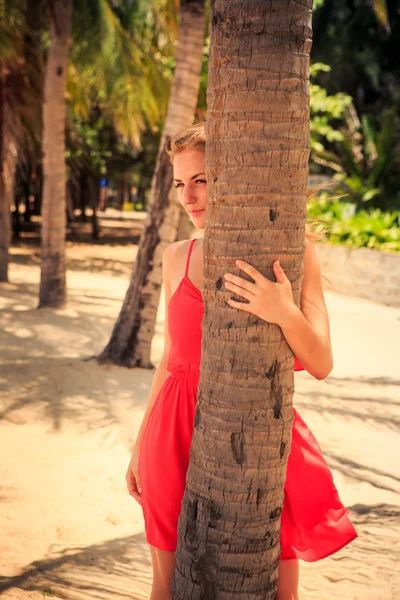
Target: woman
315	523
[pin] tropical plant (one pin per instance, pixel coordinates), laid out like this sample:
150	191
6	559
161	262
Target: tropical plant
53	270
372	229
379	7
367	161
362	52
19	120
326	113
108	69
370	160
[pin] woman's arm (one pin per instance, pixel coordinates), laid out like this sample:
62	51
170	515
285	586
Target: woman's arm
161	372
132	475
307	329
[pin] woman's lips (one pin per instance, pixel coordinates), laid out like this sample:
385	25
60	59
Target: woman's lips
194	212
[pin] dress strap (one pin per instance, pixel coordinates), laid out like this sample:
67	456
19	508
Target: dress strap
188	256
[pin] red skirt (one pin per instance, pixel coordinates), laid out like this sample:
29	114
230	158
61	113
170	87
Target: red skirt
315	523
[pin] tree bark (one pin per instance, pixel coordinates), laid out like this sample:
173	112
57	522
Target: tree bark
8	157
5	232
6	200
94	192
257	170
130	343
53	268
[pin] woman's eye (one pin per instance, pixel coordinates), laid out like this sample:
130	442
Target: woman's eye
178	185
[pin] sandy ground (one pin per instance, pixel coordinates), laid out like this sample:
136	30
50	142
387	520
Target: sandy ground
68	528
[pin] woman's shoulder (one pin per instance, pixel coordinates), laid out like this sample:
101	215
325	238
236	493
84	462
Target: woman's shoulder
175	248
174	254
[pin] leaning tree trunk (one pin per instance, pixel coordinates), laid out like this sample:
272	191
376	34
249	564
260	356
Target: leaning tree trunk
53	275
130	342
257	169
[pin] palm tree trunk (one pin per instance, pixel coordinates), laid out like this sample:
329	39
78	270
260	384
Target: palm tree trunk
5	226
8	156
130	342
6	200
257	169
53	275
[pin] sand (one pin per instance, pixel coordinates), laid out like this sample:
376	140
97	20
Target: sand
68	527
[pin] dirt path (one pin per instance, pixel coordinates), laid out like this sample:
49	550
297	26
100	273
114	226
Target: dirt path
68	527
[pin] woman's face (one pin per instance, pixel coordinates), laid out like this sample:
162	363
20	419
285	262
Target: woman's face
190	180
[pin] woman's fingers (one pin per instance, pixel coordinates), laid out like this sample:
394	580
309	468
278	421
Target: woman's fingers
250	270
133	487
279	273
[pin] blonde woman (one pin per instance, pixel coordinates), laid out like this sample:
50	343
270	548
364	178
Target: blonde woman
315	524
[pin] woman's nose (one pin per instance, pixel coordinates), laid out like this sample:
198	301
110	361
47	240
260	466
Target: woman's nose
189	197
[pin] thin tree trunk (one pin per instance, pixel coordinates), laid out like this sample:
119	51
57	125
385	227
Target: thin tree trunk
8	156
6	200
26	186
19	193
53	269
130	343
82	193
37	184
4	209
257	169
69	203
103	199
120	196
94	202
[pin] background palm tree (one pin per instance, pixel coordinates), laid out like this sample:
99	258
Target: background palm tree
19	84
53	280
130	342
111	70
258	142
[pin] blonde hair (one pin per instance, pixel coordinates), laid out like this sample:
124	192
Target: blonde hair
194	138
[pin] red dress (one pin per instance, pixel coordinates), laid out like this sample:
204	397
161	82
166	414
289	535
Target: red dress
315	523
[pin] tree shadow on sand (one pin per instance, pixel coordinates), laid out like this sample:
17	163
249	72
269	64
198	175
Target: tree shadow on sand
44	355
353	398
118	568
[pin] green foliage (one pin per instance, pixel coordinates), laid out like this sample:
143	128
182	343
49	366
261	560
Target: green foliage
375	229
21	76
362	155
379	6
369	160
89	145
325	111
118	67
359	39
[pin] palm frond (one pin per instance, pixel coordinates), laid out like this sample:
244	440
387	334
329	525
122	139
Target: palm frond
381	12
116	68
